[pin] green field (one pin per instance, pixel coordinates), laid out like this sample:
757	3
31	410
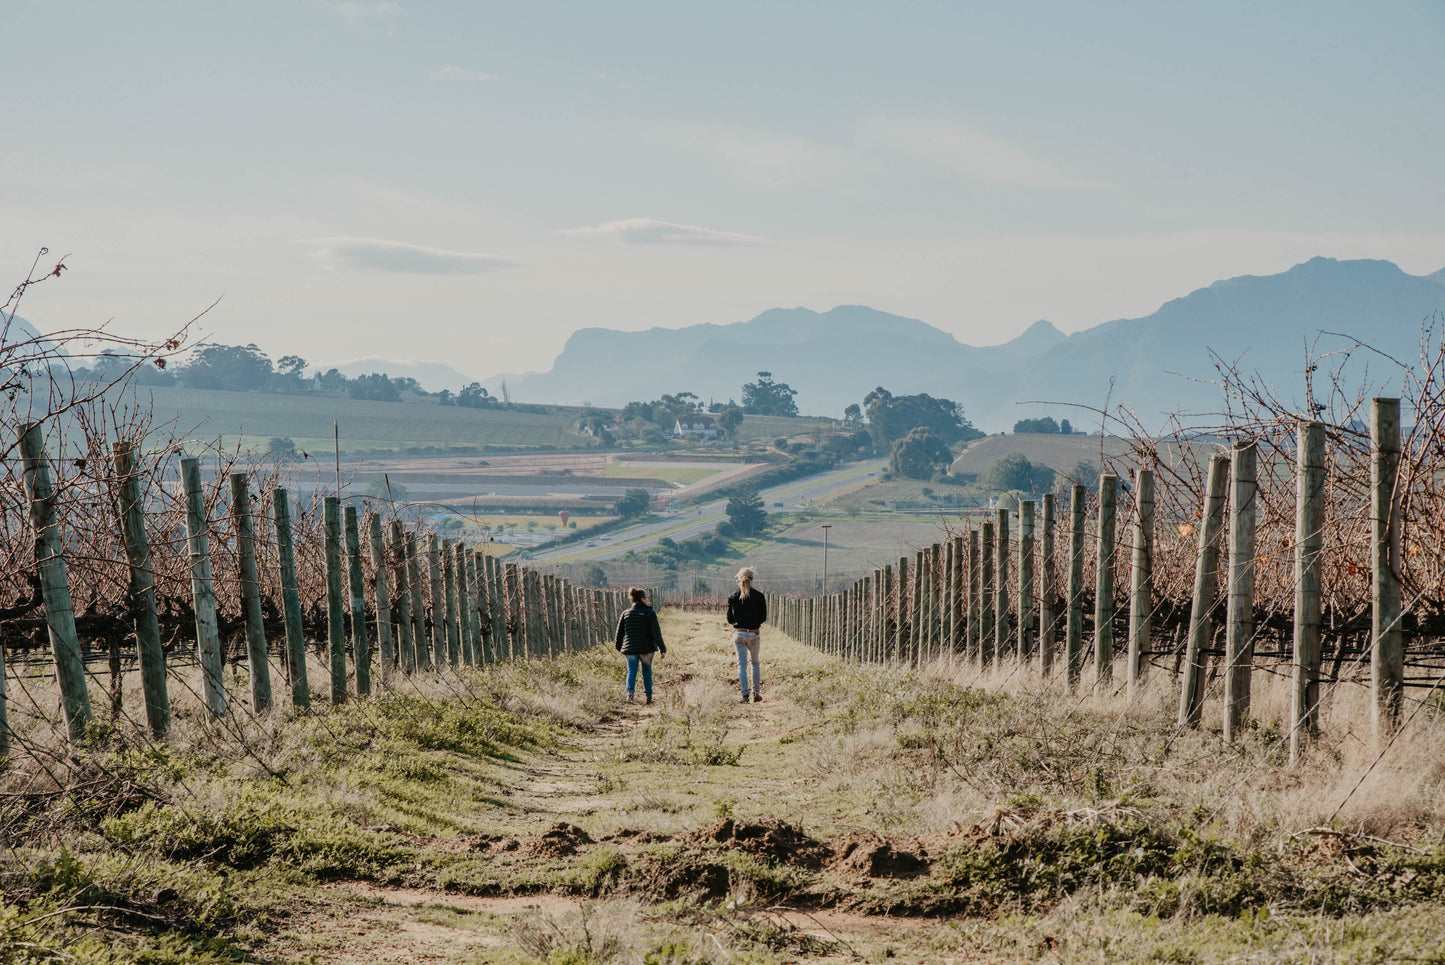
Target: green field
251	419
1059	453
686	475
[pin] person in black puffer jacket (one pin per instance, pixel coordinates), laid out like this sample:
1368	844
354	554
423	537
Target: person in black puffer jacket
639	636
747	612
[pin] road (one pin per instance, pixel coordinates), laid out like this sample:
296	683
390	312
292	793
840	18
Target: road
787	497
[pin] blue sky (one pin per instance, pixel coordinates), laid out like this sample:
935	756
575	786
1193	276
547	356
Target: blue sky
472	182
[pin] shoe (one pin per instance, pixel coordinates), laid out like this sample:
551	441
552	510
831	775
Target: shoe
745	698
649	698
631	699
757	698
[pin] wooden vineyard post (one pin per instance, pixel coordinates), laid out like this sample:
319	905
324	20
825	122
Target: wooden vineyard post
512	611
889	615
1002	643
1048	632
1026	583
1308	561
449	602
381	592
438	600
54	581
957	598
403	598
975	597
203	590
1239	620
1387	655
1104	583
335	604
474	605
501	642
1074	630
1141	580
418	604
356	581
916	623
147	627
986	591
251	592
290	601
1206	579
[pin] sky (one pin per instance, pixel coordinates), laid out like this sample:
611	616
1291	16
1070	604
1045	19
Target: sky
472	182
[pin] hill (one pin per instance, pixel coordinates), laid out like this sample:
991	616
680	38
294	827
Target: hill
433	376
1158	364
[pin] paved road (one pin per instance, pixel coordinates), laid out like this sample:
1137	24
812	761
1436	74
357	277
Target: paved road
701	519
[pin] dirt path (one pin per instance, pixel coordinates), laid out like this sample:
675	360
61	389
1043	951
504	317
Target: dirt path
700	801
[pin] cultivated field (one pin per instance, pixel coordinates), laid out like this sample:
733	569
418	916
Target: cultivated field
1059	453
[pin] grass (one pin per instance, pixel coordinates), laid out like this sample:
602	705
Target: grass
525	814
686	475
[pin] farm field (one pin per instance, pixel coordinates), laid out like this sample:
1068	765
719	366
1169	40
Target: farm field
526	814
668	472
876	495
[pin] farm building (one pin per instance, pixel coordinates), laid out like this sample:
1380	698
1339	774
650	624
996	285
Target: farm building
697	425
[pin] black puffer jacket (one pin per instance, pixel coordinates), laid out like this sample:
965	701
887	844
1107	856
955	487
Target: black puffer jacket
638	631
750	613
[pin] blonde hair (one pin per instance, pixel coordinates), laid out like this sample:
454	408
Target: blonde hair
745	582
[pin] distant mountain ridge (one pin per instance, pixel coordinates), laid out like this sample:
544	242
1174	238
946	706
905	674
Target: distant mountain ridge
1158	364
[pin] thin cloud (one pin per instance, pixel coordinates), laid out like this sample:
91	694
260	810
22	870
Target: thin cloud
968	153
770	162
355	12
650	231
375	254
452	74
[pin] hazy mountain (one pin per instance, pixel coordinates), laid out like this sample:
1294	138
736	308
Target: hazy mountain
1159	364
433	376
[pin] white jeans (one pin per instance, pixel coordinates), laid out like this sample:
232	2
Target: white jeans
747	642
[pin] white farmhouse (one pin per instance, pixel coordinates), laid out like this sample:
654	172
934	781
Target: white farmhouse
703	426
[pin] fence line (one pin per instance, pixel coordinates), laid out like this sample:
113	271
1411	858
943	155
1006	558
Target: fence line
470	611
903	617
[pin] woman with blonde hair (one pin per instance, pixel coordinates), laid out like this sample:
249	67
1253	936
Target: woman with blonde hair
747	612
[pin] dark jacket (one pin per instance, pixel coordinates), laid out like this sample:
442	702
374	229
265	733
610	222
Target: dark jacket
638	631
749	614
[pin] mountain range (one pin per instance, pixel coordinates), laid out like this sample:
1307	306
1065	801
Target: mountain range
1158	365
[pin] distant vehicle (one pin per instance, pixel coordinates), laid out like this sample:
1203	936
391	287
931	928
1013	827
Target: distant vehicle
591	542
779	505
605	538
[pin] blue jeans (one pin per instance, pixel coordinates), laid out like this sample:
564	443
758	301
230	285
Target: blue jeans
746	642
634	660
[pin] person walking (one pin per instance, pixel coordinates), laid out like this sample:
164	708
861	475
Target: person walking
639	636
747	612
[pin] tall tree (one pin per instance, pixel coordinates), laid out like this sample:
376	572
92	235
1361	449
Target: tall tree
919	454
746	513
891	417
766	397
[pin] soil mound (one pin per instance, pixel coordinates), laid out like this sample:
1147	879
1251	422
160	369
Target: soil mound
560	840
865	854
680	876
775	841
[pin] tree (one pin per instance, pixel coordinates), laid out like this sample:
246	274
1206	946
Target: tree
1065	428
473	396
233	367
634	502
396	492
283	447
594	575
917	454
766	397
729	418
1085	474
375	387
1044	425
746	513
853	415
1014	471
891	417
